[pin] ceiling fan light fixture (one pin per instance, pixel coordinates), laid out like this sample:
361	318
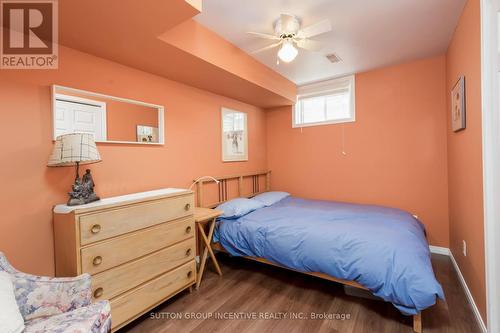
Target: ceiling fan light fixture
288	52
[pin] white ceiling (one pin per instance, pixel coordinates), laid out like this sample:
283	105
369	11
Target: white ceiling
366	34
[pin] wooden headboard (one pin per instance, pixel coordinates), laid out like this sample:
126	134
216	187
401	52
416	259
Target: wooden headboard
238	181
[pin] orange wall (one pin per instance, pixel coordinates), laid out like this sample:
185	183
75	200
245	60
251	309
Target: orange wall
122	120
396	149
465	172
30	189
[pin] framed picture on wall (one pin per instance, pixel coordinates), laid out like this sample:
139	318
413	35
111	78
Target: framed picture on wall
458	105
234	135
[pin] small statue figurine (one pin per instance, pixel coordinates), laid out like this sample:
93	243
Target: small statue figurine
83	190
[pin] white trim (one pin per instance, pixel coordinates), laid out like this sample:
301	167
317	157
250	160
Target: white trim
160	108
134	143
119	99
161	125
446	251
469	295
439	250
324	88
328	122
71	98
491	157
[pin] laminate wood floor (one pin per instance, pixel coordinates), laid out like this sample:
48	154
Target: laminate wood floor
250	290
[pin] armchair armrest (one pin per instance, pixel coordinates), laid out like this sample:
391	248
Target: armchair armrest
39	296
43	296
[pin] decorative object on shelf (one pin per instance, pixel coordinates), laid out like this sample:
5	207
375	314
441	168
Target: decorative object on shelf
458	105
234	136
77	149
147	134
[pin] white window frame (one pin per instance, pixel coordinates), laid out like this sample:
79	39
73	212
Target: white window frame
322	89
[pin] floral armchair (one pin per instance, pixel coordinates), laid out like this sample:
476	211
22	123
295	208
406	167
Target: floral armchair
57	304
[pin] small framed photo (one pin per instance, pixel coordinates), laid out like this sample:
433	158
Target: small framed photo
458	105
234	135
147	134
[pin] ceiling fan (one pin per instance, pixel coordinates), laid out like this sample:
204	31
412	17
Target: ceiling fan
288	34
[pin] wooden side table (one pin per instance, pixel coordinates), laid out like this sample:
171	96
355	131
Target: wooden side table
206	217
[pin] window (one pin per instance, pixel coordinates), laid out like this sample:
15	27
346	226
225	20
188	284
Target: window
329	102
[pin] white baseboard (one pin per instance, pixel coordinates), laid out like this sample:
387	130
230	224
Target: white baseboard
446	251
469	295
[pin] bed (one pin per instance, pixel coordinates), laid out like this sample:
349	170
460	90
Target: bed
379	249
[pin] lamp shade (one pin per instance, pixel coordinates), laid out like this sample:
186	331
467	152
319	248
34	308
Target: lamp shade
70	149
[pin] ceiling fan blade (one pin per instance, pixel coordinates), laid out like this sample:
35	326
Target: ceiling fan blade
287	23
316	29
309	44
267	47
261	35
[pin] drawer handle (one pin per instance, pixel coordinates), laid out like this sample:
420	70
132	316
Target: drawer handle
189	274
95	229
97	261
188	252
98	292
188	230
187	207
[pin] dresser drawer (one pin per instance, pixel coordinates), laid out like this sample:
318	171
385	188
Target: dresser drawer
106	224
117	280
130	305
105	255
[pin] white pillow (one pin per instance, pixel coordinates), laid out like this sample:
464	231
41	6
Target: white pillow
11	320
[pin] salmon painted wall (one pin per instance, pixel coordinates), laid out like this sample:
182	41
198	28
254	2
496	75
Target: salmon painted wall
465	173
123	118
30	189
396	149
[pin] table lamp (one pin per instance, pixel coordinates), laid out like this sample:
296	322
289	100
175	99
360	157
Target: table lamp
77	149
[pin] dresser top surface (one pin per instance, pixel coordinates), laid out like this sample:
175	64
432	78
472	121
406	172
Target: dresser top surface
123	199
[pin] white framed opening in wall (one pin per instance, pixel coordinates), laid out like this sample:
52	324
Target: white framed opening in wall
109	119
325	103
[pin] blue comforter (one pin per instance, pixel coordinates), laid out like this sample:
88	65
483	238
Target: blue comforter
383	249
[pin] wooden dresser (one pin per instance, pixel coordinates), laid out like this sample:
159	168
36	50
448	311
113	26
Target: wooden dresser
139	248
